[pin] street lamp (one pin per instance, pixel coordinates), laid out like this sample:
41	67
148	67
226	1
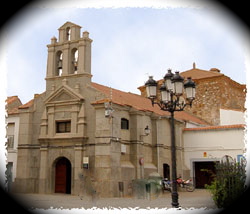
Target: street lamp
175	95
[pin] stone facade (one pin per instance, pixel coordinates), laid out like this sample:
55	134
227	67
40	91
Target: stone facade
217	93
214	91
64	133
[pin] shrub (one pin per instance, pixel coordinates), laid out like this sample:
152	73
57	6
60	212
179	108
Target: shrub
229	183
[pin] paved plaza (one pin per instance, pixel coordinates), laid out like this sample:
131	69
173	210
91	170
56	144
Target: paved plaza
197	199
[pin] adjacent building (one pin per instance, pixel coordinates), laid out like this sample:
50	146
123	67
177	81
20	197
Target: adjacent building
204	146
12	132
217	96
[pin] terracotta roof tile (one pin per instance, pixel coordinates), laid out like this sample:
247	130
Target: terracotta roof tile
12	104
132	100
200	74
30	103
126	99
27	105
186	116
11	99
140	103
237	126
195	74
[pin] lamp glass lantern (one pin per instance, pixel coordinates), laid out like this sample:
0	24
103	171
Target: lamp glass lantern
189	86
168	80
165	94
151	88
177	81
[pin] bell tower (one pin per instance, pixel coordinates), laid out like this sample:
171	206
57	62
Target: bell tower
69	57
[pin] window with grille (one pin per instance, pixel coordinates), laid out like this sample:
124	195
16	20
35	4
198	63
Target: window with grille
124	123
10	141
63	126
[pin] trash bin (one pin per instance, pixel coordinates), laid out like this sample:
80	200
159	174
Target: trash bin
155	181
139	188
156	176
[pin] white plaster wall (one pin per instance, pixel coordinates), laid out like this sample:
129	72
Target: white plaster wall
192	125
230	117
216	144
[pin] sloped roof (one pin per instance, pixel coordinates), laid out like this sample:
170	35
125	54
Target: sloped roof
11	99
132	100
200	74
27	105
12	104
196	73
69	24
140	103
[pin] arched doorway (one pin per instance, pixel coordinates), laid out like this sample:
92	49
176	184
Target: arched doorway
63	176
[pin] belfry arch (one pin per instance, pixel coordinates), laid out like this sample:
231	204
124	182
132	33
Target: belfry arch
68	33
59	63
74	60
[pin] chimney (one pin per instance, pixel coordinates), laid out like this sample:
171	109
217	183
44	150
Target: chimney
215	70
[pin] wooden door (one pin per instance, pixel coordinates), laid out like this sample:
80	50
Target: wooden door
204	172
61	176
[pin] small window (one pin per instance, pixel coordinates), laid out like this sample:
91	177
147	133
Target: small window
124	124
63	126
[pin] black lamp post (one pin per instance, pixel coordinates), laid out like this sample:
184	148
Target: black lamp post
173	98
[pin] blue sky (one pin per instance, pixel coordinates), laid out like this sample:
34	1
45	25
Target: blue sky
129	44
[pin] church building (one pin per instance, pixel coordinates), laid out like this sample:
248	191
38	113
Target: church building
81	128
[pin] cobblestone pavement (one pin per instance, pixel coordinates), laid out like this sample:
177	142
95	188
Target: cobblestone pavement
197	199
